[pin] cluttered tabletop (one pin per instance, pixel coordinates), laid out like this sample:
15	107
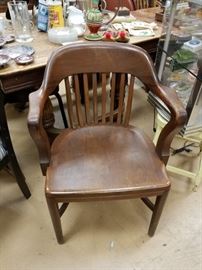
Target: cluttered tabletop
140	26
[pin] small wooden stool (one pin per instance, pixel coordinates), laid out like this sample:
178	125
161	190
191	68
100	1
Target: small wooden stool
196	177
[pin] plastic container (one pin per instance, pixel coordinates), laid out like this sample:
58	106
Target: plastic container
55	14
62	35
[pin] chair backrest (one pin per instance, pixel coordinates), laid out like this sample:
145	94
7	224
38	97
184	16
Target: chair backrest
112	4
88	65
140	4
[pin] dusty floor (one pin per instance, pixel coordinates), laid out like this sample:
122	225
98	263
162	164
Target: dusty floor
104	235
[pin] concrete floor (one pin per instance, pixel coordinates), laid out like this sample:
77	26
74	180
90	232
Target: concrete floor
104	235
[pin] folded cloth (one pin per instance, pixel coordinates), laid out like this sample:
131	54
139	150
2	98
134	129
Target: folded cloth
137	28
3	152
120	19
141	33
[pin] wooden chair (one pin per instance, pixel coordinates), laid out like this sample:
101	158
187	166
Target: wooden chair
7	155
94	160
139	4
131	4
112	4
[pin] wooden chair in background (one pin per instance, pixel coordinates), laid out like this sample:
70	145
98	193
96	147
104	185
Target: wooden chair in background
140	4
100	160
112	4
131	4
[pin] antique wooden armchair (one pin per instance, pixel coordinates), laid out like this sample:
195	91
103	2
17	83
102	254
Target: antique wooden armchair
7	155
102	160
131	4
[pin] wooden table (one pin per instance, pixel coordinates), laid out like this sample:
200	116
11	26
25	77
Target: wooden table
16	78
147	43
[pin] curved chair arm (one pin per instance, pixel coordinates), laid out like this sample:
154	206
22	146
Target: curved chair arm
35	124
176	122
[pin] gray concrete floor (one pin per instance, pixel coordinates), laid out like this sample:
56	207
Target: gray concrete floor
103	235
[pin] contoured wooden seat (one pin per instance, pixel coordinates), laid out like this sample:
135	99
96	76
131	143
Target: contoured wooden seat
101	158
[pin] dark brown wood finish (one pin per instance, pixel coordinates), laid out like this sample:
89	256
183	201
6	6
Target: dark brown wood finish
131	4
112	4
139	4
101	160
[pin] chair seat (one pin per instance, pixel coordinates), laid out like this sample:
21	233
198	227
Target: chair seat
104	161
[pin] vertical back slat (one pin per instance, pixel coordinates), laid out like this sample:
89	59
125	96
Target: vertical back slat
86	98
69	102
95	101
81	119
112	95
129	101
121	97
104	97
142	4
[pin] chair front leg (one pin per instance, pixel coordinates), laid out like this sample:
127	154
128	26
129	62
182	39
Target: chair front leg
55	217
158	207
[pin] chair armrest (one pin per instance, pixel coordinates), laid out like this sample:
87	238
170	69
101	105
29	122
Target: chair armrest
176	122
36	129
